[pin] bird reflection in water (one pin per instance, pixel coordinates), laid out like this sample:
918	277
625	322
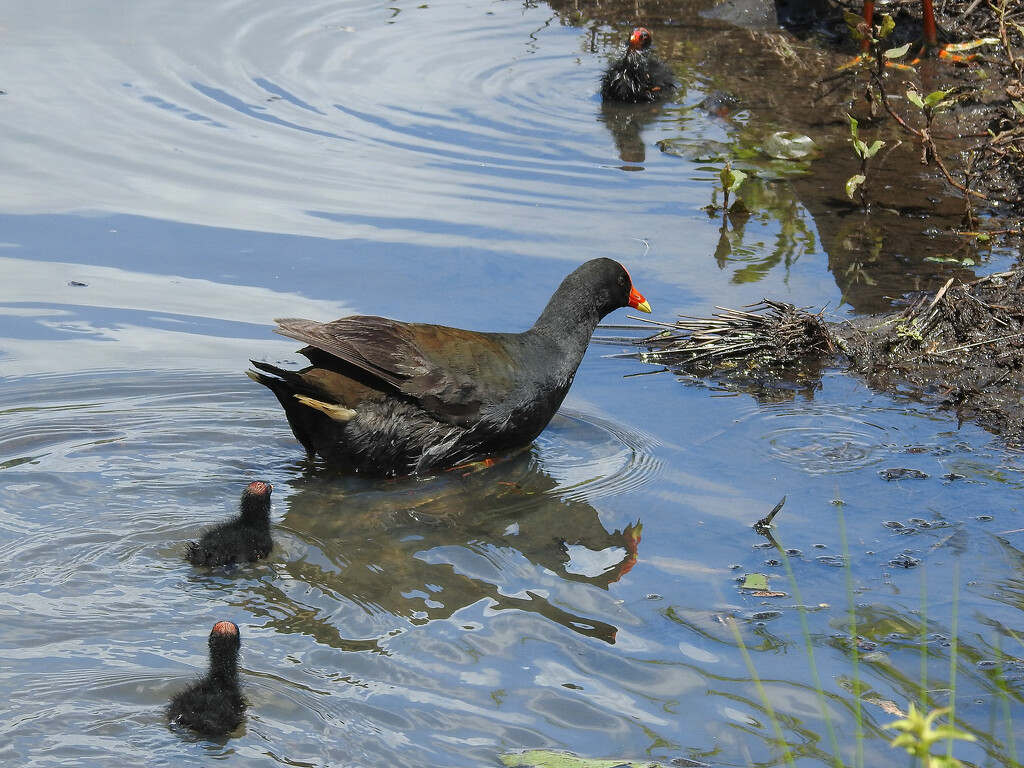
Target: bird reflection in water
422	550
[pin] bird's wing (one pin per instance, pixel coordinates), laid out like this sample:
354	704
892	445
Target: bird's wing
452	373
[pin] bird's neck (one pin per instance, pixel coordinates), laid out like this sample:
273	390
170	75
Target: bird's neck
224	667
254	512
565	328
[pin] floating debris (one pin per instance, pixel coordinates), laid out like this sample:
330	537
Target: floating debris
766	522
773	334
902	473
959	348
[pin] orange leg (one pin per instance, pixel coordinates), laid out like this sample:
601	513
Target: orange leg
929	35
869	16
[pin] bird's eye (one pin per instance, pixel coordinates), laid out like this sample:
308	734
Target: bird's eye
622	279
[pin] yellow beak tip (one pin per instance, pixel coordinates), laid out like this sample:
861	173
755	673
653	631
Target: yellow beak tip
644	307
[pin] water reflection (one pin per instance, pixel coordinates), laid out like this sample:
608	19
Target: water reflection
334	119
907	239
423	550
93	317
627	123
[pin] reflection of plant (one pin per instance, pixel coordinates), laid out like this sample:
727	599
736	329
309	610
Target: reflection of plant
863	637
918	733
742	245
866	241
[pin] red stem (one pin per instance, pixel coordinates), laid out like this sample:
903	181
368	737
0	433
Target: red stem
869	17
931	37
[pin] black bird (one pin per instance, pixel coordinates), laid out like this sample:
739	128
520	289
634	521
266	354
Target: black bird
241	540
213	705
639	75
392	398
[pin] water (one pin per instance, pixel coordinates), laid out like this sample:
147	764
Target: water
182	173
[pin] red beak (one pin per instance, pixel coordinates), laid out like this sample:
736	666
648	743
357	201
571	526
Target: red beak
639	38
636	301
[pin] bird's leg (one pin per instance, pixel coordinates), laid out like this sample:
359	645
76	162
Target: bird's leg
929	41
949	51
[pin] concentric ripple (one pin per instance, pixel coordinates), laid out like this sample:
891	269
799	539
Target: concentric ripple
843	446
822	439
146	426
593	458
335	118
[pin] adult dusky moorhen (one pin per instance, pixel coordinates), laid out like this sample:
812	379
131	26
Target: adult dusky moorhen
391	398
639	75
213	705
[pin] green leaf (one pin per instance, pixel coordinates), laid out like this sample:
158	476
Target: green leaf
935	97
731	178
756	581
945	732
786	145
915	98
855	23
897	53
1019	106
853	182
886	27
853	126
727	178
906	741
871	151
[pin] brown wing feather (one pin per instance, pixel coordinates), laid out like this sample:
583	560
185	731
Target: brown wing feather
453	373
374	344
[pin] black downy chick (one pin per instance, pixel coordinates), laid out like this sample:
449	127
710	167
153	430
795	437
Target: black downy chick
639	75
213	705
244	539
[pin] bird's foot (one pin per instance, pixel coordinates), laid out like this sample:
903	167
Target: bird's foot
474	466
950	52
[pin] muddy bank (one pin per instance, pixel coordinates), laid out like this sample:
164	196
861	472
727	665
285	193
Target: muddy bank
960	349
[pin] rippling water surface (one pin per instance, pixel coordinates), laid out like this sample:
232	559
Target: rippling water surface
178	174
325	118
